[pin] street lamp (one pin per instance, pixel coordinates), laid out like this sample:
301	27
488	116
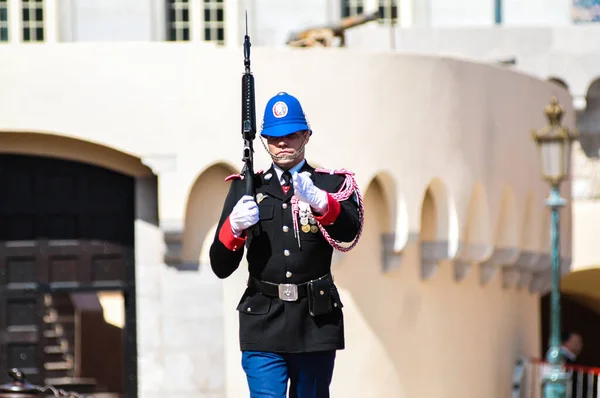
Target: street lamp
554	142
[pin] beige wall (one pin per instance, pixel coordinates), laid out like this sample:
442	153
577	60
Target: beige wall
405	124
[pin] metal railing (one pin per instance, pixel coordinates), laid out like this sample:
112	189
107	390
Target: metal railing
583	382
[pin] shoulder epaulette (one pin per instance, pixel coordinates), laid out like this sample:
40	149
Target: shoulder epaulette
334	171
239	176
233	177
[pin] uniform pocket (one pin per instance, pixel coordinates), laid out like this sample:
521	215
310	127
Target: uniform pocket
252	312
329	328
335	298
265	212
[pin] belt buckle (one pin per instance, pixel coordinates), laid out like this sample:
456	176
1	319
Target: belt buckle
288	292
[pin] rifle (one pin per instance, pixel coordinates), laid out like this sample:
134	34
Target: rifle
248	125
248	117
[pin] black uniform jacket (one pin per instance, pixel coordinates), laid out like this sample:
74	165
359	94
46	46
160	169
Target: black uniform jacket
266	322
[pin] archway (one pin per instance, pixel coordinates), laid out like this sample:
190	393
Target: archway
438	233
476	244
558	81
203	209
506	240
393	218
580	312
588	121
67	249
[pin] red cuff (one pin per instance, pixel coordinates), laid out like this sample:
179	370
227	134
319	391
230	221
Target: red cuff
333	211
228	239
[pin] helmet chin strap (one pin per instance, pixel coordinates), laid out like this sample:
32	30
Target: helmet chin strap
299	152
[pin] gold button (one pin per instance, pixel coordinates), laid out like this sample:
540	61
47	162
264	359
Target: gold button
284	205
286	252
285	228
288	274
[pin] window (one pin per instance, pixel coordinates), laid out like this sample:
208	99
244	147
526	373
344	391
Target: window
351	8
388	11
33	20
214	21
585	11
178	22
3	20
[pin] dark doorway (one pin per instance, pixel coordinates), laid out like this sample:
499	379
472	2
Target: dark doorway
579	314
66	233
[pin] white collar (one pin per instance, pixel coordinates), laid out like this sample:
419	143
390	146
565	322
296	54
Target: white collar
568	353
294	169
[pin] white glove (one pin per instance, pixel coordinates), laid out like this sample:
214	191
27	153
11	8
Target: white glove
306	191
243	215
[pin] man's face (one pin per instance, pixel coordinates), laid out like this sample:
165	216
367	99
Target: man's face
576	344
287	147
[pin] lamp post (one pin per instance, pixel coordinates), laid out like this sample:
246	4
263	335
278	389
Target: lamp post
554	142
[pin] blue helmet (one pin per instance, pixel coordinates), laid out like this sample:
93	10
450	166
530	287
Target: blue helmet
283	116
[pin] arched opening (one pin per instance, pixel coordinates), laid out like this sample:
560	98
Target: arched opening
395	233
541	266
429	217
373	247
203	209
477	234
506	237
68	148
476	245
589	120
558	81
580	312
507	231
439	228
68	249
531	225
377	197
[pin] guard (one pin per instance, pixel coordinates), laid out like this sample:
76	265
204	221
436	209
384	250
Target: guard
290	314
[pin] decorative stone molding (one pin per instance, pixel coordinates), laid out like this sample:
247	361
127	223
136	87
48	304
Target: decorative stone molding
527	259
510	276
173	238
469	254
391	259
541	281
431	255
565	265
502	256
525	279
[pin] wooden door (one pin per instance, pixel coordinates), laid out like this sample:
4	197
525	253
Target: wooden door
64	226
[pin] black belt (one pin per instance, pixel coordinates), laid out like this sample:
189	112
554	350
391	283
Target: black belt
285	291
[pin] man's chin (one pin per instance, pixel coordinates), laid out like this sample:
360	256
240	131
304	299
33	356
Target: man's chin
286	161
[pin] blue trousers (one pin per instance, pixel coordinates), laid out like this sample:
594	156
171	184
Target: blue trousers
268	374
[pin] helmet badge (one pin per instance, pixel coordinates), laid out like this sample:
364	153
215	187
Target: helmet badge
280	109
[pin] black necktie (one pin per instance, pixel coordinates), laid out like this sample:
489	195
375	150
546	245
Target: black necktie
287	178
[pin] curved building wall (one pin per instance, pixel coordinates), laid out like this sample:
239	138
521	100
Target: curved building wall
454	252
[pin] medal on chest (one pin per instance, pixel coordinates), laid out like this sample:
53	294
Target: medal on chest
303	219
